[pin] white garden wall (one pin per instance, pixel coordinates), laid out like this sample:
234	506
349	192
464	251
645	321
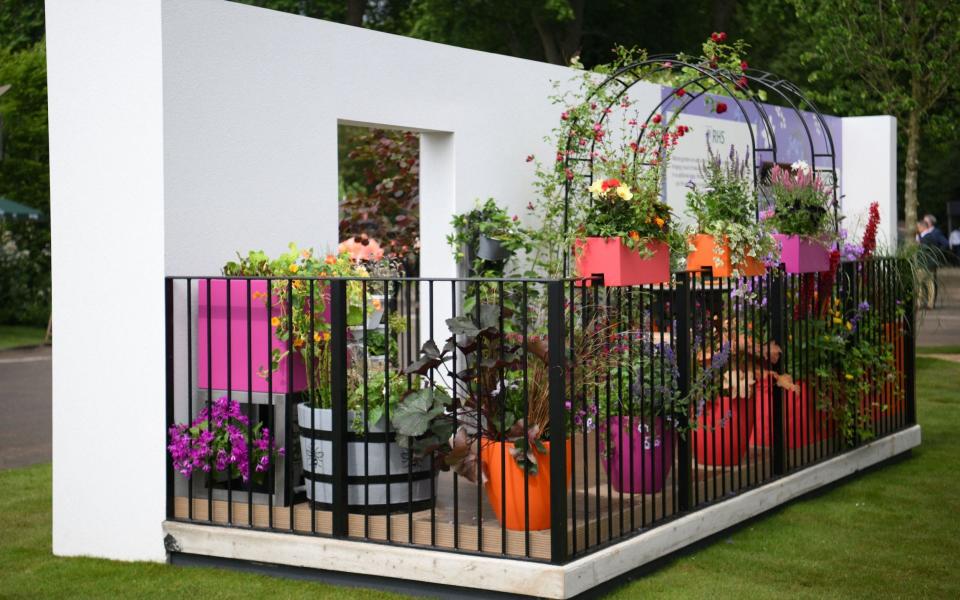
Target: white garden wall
185	130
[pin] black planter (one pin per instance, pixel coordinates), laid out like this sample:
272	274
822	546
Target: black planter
493	250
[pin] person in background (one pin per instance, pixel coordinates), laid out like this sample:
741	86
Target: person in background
955	244
933	248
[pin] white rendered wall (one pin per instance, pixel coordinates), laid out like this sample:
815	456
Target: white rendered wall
870	175
183	131
106	216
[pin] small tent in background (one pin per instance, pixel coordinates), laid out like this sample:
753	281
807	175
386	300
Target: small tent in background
13	211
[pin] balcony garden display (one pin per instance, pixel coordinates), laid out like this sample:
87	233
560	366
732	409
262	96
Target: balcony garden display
485	238
730	239
802	217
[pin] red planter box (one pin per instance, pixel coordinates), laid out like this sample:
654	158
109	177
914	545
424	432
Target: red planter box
620	265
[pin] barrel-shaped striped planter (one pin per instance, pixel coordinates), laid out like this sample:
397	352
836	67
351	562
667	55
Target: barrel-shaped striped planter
372	488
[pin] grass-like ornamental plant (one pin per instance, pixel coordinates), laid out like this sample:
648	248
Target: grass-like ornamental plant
802	202
223	443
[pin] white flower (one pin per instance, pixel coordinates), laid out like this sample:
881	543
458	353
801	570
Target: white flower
624	193
801	166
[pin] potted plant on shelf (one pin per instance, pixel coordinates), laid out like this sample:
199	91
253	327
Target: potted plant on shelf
801	217
731	240
486	237
222	443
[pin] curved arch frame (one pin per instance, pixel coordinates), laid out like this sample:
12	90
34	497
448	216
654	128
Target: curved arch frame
728	84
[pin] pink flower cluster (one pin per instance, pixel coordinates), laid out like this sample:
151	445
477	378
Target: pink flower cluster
219	442
797	179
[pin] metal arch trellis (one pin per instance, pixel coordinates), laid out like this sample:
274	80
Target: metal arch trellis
716	79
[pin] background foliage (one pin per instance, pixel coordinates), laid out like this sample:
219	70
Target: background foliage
854	56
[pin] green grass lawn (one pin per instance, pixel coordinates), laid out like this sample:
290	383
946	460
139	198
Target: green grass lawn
12	336
893	532
939	350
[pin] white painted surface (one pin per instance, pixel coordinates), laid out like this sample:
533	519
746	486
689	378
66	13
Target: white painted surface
106	205
182	131
870	175
525	577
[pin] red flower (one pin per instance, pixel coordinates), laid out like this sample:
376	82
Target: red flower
742	83
743	65
634	146
610	183
721	108
681	92
564	116
870	233
657	118
721	37
715	36
529	158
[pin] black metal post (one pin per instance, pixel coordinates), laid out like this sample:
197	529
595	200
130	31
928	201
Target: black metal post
777	303
558	419
681	311
168	341
910	352
338	402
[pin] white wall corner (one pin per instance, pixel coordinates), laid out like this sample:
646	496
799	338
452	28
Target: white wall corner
105	85
870	175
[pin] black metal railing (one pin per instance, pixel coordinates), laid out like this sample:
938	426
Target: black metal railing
563	416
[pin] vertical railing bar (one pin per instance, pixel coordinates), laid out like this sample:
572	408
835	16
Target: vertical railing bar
190	388
572	411
526	416
606	377
595	409
456	408
433	479
478	357
338	405
503	427
209	399
289	399
250	467
630	341
680	310
653	424
366	401
386	405
408	308
777	304
271	411
586	446
620	443
170	416
557	375
312	393
229	283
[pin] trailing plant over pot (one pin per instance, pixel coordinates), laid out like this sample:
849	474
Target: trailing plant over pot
730	237
222	443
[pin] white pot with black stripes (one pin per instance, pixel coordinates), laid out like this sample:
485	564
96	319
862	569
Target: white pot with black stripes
408	482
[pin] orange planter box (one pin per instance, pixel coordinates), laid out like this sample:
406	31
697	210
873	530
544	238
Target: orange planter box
511	481
704	256
620	265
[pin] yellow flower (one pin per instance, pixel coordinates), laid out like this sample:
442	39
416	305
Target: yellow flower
660	222
316	336
326	336
826	338
275	321
849	326
294	268
596	188
837	321
849	377
624	193
298	284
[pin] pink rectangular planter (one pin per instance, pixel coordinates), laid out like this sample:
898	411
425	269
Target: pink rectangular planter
620	265
260	332
637	461
802	255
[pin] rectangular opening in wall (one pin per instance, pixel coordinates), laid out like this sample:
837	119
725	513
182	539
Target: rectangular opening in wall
379	190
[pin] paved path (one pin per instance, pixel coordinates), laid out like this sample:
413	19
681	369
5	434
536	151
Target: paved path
941	326
25	399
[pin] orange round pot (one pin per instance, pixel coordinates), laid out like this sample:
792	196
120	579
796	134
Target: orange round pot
504	486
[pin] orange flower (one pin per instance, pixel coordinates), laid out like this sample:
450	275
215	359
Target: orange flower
331	259
326	336
377	304
275	321
316	336
298	343
298	284
635	236
660	222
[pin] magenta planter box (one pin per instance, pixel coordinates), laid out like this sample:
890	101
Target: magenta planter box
652	454
803	255
261	333
621	265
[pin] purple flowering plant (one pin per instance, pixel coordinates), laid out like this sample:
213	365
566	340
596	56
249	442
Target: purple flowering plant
222	443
